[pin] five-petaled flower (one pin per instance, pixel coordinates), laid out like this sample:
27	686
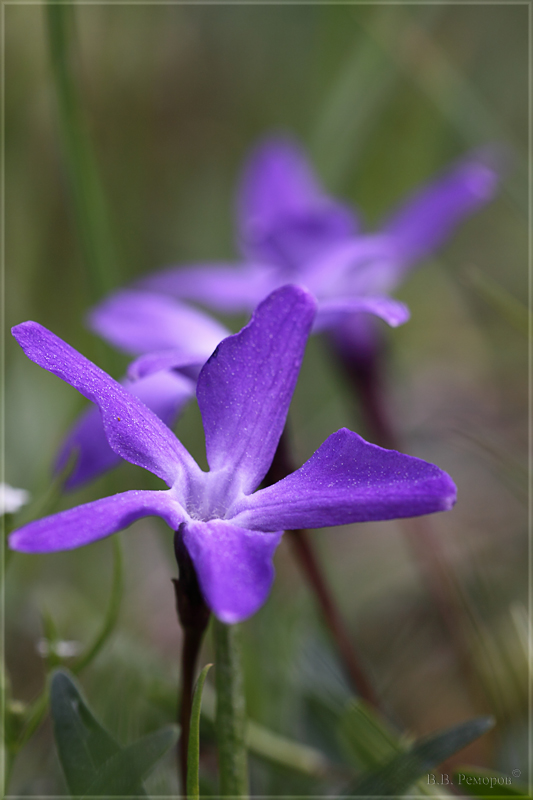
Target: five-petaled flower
229	528
290	231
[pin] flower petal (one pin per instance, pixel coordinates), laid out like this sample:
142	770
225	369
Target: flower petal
284	216
245	389
349	268
92	521
133	431
234	566
332	313
163	361
224	287
140	322
422	224
165	393
348	480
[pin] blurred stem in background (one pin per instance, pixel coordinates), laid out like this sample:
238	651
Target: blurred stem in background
230	712
88	197
366	376
281	467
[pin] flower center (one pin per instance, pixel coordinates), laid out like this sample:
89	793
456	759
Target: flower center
212	495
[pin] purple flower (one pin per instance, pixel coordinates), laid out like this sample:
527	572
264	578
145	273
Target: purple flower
229	529
290	231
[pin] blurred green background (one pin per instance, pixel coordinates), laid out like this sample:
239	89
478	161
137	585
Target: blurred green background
382	96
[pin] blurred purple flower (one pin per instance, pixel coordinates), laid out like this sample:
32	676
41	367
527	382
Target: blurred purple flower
290	231
230	530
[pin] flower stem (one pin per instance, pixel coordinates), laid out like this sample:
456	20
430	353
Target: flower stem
193	615
231	712
303	549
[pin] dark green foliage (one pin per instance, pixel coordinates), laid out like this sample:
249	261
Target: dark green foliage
396	776
95	765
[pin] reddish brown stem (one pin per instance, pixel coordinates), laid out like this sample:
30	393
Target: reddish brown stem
193	615
365	377
305	554
306	557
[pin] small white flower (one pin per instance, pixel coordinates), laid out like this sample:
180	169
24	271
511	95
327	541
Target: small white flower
12	499
63	648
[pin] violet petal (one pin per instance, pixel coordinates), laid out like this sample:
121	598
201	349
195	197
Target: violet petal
224	287
429	216
333	312
245	389
284	216
140	322
165	393
133	431
162	361
88	523
348	480
234	566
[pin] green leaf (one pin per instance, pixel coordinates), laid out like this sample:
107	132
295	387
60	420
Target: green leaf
499	299
193	754
366	738
396	776
93	762
477	782
122	775
82	743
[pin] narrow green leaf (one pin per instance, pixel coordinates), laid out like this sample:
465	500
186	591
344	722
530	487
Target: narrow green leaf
456	98
396	776
499	299
82	743
122	775
87	194
350	112
286	752
193	755
366	738
435	749
482	783
268	744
